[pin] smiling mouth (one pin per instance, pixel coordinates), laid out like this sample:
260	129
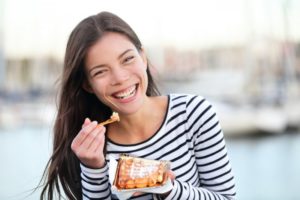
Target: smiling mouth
127	93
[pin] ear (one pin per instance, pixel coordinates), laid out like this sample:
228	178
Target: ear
87	87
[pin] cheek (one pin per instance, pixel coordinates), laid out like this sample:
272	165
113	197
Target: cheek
103	97
141	68
144	78
99	88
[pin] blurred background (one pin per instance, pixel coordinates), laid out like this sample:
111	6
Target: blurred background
242	55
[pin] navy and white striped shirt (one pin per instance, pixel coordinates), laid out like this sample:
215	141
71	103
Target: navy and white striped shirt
191	138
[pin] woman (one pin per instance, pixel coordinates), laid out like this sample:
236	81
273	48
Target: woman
106	70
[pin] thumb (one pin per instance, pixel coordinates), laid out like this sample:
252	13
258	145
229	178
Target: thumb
172	175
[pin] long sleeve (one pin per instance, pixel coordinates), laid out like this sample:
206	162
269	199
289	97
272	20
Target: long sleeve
216	178
95	183
191	138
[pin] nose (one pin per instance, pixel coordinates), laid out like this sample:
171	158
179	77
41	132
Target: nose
119	76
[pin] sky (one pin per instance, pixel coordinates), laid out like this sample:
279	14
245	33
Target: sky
41	27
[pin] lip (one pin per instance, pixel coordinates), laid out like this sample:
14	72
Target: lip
127	100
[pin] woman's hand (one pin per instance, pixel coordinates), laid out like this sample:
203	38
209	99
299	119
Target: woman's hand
89	143
172	176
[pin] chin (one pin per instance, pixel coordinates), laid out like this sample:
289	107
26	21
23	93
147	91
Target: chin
131	109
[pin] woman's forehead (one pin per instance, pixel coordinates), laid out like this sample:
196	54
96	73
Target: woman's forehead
109	47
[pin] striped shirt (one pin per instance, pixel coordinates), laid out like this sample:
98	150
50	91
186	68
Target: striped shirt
191	138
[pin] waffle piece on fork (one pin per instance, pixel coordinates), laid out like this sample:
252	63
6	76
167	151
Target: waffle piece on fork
113	118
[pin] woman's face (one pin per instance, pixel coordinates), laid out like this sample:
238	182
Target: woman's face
116	73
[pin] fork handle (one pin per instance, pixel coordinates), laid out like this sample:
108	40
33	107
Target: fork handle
106	122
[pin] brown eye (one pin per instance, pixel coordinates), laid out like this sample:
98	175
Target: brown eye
128	59
100	73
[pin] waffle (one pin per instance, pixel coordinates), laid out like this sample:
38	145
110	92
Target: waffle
140	173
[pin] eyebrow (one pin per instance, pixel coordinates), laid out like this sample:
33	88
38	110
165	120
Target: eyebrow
119	57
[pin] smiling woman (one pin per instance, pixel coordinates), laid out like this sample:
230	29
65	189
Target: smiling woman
106	69
116	72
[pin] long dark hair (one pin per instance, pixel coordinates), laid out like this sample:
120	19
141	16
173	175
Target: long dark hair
75	104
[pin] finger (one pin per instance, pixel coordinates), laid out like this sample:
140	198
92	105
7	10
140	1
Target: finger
87	121
98	143
90	138
85	124
172	175
83	150
82	135
137	194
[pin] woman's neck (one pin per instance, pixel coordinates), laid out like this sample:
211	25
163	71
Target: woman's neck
141	125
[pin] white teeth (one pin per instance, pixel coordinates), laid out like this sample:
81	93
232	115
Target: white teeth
126	94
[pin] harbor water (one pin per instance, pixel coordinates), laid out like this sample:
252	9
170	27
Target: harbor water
266	167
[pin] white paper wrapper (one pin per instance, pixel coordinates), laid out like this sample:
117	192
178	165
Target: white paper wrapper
127	193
